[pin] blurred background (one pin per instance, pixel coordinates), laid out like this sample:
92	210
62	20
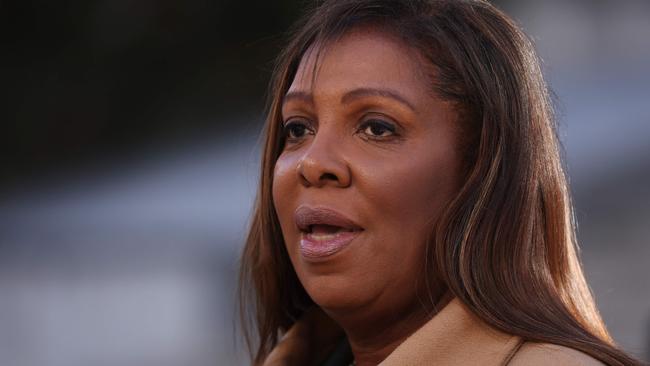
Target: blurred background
129	151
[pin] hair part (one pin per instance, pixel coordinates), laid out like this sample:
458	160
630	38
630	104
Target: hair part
506	244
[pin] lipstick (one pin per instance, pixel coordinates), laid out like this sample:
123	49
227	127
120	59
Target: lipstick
324	231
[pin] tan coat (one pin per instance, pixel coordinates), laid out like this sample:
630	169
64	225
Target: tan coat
455	336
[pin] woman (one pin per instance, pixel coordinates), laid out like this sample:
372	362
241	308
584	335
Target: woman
413	208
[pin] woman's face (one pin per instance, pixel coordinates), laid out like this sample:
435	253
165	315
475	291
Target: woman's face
365	138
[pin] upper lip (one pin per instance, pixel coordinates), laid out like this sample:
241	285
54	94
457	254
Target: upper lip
306	216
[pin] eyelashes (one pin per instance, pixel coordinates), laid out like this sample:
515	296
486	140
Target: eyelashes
296	129
377	128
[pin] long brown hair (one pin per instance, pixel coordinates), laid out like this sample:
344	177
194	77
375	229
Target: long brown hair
506	244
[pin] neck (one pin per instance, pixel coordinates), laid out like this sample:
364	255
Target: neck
371	346
374	334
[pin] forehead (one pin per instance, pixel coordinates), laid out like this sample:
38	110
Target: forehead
363	57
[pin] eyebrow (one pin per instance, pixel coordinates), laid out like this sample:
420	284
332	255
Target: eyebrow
300	96
372	92
350	96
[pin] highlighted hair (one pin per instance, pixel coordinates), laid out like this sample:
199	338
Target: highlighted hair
506	244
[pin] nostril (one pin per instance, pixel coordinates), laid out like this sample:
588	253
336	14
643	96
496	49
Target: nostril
329	176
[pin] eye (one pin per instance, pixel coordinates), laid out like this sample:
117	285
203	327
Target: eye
295	130
376	128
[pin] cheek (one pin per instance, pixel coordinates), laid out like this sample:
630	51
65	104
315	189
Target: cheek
284	191
279	181
410	192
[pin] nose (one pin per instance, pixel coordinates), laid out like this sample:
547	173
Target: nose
322	164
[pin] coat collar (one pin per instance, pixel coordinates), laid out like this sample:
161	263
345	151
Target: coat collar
454	336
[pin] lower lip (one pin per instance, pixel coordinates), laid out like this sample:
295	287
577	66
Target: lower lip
313	248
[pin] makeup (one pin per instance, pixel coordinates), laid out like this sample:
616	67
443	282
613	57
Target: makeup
324	231
323	242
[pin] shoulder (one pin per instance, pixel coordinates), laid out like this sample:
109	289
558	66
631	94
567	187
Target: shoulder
533	354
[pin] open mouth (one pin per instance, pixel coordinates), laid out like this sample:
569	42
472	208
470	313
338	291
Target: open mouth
320	241
323	232
326	229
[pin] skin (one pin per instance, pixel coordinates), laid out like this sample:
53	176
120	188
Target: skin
393	184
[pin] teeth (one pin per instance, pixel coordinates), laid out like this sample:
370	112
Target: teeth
325	229
323	237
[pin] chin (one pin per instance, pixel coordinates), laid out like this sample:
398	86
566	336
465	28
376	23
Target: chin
334	291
